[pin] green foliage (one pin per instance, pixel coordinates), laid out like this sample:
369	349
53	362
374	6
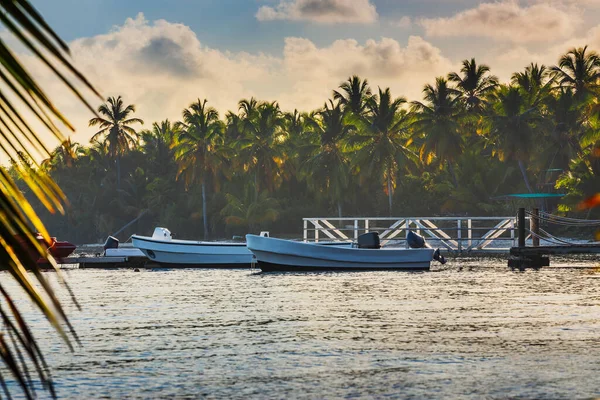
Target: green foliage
358	155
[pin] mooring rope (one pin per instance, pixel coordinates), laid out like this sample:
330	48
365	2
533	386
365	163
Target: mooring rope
549	238
565	221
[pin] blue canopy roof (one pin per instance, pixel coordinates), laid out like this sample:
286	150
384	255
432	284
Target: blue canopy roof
530	195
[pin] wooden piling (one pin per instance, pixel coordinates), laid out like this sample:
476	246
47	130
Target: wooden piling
521	226
534	224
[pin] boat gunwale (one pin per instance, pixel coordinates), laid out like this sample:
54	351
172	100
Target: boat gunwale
186	242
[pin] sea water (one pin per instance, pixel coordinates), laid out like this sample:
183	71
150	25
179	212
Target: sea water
472	329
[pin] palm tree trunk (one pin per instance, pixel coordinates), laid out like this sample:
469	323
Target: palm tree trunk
524	173
451	168
118	172
204	216
389	187
256	185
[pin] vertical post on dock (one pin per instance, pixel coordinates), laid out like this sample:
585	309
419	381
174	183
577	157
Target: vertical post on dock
355	229
512	232
534	224
521	225
459	234
305	230
469	233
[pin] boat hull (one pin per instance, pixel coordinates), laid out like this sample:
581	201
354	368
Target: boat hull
188	254
282	255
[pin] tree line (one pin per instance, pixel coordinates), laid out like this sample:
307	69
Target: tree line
468	142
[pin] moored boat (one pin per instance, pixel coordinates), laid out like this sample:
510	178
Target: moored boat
57	248
285	255
164	250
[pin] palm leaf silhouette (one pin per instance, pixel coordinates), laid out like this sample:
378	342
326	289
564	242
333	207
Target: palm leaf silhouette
19	249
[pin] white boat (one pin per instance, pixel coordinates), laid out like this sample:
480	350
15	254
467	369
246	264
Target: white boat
285	255
163	249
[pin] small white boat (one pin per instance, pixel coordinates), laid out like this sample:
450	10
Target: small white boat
163	249
286	255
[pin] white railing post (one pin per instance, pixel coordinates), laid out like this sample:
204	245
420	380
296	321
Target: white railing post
406	228
305	235
355	229
459	235
366	226
469	233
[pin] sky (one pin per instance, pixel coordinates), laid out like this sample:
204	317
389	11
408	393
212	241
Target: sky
162	55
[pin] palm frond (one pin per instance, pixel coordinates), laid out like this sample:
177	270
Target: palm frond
23	146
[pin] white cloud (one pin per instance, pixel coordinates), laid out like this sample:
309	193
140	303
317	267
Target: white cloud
162	67
507	59
405	22
507	21
321	11
315	72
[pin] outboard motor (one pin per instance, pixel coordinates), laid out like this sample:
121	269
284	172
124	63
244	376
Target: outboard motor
418	242
437	256
111	243
415	241
369	240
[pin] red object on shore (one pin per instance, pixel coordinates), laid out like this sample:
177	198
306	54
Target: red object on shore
58	249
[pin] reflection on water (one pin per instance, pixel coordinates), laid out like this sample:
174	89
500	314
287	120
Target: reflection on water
469	330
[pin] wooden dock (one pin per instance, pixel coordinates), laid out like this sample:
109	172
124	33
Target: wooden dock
537	256
553	250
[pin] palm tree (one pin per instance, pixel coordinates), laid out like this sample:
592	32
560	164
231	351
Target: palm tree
326	166
535	82
250	213
262	146
67	153
198	148
157	144
436	124
512	129
115	126
532	78
354	94
20	92
381	143
474	85
579	70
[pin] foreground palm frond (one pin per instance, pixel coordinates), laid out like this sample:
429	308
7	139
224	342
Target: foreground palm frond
19	249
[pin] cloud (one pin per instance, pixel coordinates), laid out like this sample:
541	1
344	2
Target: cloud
321	11
162	67
163	54
315	71
404	22
507	21
506	59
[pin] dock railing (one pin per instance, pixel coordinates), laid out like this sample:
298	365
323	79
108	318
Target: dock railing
455	234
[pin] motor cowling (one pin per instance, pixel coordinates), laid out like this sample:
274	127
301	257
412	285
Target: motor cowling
111	243
369	240
415	241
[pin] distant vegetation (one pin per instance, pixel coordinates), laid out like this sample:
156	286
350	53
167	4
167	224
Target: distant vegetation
364	153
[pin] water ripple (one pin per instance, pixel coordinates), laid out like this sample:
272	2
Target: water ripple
475	330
